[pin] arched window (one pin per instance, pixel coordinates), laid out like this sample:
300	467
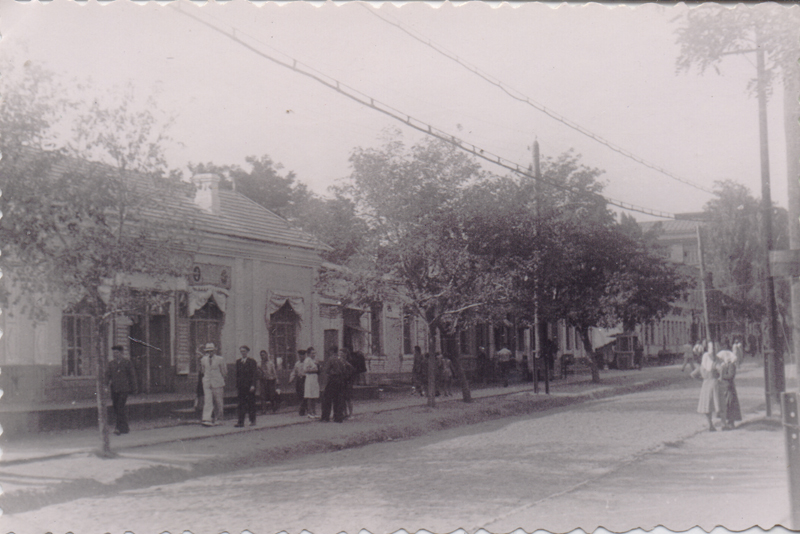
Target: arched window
283	336
206	327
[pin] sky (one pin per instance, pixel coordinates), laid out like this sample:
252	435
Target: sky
610	69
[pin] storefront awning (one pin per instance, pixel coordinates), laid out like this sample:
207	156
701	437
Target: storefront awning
199	295
278	300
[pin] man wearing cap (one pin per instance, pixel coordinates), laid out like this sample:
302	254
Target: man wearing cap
214	372
246	376
121	379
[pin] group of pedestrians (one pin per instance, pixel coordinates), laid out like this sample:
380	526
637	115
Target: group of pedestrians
718	396
443	379
252	379
331	382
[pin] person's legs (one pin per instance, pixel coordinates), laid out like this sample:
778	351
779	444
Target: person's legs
299	387
327	400
251	406
118	402
219	403
241	407
339	402
122	416
208	404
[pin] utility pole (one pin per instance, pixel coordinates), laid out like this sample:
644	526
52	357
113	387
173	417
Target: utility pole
708	338
537	173
773	369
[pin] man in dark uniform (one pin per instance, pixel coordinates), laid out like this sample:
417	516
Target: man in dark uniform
246	377
338	372
121	379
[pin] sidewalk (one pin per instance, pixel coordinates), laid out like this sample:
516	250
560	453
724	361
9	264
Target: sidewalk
58	444
58	467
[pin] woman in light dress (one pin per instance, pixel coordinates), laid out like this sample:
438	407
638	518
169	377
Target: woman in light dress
709	370
311	393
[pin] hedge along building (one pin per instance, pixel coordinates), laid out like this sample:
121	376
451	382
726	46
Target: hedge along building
250	280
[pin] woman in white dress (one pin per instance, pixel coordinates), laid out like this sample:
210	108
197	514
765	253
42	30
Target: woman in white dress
709	370
311	392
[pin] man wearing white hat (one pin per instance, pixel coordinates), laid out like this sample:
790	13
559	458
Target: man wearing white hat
214	372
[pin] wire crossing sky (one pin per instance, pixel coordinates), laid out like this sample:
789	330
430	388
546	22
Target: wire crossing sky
412	122
609	69
517	95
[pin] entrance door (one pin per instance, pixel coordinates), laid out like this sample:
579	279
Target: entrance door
158	353
150	352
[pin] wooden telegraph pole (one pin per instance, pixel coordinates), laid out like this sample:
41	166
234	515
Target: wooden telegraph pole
773	368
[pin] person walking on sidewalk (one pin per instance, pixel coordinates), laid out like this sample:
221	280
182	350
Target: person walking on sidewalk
731	410
709	402
339	373
246	377
298	377
121	379
199	400
214	373
268	376
311	391
688	357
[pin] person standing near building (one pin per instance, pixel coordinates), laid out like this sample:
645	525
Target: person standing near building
418	374
359	363
311	391
269	377
214	373
246	377
199	400
338	372
503	361
298	376
121	380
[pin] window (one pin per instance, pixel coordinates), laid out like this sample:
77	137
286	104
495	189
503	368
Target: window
77	345
569	335
205	327
283	336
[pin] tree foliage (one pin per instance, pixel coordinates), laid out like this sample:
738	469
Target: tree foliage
711	32
80	220
457	245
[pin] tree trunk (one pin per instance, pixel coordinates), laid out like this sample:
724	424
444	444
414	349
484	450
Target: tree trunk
432	365
100	385
587	346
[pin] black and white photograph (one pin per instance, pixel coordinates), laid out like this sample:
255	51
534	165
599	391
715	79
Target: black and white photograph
399	267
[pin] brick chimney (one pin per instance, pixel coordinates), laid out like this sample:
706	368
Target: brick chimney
207	195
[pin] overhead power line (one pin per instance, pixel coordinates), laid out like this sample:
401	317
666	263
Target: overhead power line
518	95
368	101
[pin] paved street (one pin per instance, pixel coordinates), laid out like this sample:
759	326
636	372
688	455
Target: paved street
637	460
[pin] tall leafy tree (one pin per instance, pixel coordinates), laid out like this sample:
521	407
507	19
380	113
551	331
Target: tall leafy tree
410	199
80	220
712	33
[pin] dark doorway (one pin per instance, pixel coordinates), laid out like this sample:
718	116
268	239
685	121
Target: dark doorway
150	352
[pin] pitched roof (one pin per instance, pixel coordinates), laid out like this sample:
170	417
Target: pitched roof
241	217
238	217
